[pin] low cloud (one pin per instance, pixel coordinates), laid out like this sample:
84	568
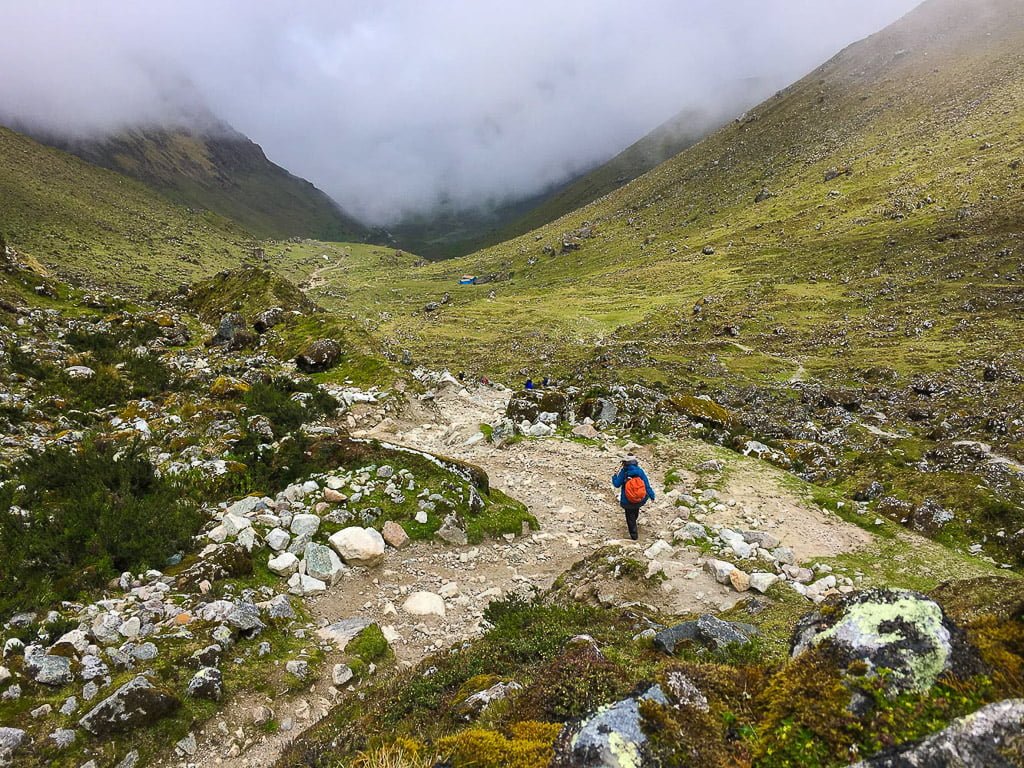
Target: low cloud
391	107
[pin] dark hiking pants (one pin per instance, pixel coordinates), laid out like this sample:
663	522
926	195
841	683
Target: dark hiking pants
632	513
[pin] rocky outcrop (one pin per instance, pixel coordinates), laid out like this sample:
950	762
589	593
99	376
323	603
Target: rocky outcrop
992	737
610	738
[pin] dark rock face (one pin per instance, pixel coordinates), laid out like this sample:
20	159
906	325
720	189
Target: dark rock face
894	629
610	738
529	405
992	737
136	703
230	331
706	630
208	656
321	355
267	319
207	683
229	560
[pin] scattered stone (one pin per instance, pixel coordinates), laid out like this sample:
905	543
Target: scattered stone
341	632
720	569
63	738
284	564
300	584
319	356
762	582
341	674
49	670
478	703
207	683
453	530
394	535
322	563
297	668
424	604
11	740
278	539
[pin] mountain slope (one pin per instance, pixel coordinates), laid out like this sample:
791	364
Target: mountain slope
98	225
221	170
680	132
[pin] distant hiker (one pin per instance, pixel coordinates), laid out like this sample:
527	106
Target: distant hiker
636	490
485	381
529	384
462	375
546	382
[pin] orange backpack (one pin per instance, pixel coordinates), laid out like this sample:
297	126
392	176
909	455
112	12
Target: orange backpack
636	490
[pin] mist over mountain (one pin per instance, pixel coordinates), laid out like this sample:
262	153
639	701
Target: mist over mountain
393	108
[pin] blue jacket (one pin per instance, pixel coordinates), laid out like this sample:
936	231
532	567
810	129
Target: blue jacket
628	471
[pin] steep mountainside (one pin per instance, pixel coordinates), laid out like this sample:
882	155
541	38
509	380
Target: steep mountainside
842	270
667	140
223	171
99	225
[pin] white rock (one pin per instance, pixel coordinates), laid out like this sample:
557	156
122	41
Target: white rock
131	627
246	539
218	535
234	524
359	546
284	564
341	674
424	604
322	563
300	584
657	549
720	569
449	590
421	517
278	539
762	582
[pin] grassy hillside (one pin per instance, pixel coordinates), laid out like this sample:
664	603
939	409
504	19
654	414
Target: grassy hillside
97	225
224	172
843	269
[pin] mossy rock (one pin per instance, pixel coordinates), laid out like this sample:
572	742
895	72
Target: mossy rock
699	409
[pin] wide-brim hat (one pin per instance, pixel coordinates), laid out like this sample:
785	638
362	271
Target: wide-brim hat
629	458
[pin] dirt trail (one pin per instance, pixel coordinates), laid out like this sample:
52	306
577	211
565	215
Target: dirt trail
566	485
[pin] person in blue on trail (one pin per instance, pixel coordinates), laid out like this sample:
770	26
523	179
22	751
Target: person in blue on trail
636	491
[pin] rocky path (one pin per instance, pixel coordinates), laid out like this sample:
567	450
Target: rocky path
566	485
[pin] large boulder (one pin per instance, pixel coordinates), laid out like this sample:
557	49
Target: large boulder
321	355
992	737
359	546
227	561
610	738
530	404
138	702
893	629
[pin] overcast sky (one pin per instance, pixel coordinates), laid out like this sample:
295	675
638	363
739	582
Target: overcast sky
389	105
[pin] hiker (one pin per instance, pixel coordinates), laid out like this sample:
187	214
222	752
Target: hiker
546	382
529	384
636	491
